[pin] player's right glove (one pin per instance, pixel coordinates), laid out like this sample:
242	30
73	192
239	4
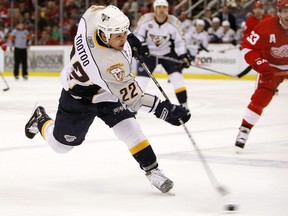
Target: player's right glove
171	113
262	66
144	50
186	62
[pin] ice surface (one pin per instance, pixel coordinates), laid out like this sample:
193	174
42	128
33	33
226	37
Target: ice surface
101	178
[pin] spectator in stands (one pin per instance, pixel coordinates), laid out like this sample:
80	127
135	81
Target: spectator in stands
186	22
130	9
228	33
2	33
271	11
208	19
46	38
4	18
239	33
215	32
226	15
56	32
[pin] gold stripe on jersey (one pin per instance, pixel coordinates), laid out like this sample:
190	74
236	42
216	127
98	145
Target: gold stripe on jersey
139	147
180	90
43	128
96	41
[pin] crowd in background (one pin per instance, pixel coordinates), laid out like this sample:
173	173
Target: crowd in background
49	30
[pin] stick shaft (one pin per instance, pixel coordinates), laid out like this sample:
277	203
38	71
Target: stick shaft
7	86
204	68
209	172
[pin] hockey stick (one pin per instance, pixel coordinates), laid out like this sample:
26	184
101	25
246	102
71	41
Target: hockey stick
245	71
7	86
208	69
217	51
249	68
225	50
220	189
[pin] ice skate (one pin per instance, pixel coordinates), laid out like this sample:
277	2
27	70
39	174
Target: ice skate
159	180
241	138
31	128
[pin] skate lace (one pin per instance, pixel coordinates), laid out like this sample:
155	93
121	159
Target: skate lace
242	136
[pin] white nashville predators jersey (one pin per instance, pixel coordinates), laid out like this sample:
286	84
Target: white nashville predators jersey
159	37
108	68
196	39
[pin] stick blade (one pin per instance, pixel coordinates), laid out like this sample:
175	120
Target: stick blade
223	190
244	72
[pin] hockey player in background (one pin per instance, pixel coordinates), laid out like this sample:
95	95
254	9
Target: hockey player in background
257	16
98	82
162	34
197	39
266	51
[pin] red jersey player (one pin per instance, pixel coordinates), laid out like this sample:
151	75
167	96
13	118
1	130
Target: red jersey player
266	50
257	17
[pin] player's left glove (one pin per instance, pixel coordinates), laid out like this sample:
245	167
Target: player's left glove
263	67
186	62
171	113
134	43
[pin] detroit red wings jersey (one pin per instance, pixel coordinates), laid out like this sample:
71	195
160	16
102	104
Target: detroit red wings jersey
252	21
268	40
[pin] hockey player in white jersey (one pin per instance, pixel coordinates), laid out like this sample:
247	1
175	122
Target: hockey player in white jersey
98	82
162	35
197	39
229	35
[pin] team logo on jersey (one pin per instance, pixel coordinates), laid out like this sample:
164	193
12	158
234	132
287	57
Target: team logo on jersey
272	38
118	110
117	71
69	138
90	42
280	52
104	17
158	39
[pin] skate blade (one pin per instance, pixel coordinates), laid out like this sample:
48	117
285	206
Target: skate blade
170	193
238	150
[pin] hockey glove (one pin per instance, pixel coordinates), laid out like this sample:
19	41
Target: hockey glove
144	50
186	62
262	66
134	43
171	113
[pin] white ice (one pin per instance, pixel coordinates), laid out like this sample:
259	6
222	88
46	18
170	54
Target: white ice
101	178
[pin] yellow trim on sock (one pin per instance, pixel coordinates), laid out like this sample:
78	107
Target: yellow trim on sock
140	146
44	126
180	90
